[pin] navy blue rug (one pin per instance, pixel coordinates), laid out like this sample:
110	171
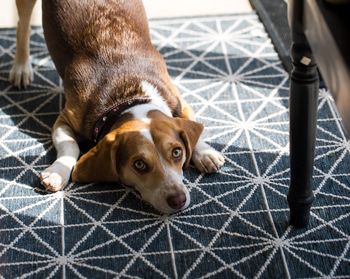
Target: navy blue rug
237	223
273	14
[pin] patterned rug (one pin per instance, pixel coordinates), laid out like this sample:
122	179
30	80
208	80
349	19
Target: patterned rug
273	14
237	223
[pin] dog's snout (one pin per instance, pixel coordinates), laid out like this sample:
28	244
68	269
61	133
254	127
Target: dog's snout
176	201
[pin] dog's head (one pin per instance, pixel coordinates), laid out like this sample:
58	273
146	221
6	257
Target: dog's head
146	156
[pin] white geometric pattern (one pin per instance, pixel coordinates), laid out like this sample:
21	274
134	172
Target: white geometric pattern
237	223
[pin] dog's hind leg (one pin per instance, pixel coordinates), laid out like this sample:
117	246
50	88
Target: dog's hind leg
56	176
21	72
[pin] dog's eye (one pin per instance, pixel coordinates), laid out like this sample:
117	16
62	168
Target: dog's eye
177	153
140	165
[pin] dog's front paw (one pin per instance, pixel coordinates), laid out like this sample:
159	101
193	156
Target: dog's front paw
55	177
207	159
21	74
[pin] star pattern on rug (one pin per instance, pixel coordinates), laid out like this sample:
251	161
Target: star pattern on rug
237	223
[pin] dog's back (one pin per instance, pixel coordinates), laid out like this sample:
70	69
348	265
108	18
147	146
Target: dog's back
102	51
104	30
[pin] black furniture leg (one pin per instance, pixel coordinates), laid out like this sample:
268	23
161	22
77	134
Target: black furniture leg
303	112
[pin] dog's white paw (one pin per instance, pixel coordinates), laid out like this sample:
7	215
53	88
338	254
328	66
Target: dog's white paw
207	159
21	74
55	177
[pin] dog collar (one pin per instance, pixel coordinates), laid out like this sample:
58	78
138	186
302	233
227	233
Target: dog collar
107	120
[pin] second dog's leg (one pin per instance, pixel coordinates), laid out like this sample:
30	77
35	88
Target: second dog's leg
56	176
21	72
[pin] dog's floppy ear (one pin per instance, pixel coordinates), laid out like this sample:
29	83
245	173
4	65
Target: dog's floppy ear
190	132
99	163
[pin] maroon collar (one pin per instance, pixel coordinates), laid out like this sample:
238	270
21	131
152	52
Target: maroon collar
108	119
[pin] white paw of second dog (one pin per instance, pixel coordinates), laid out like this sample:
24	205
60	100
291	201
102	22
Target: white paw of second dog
21	74
206	159
55	177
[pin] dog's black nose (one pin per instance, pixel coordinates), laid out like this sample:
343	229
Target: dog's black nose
176	201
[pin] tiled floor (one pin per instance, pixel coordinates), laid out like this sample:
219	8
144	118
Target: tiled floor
155	9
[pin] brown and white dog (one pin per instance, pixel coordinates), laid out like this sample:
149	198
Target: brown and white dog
119	98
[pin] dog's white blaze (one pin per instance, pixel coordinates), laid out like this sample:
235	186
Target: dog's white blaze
147	134
156	103
173	177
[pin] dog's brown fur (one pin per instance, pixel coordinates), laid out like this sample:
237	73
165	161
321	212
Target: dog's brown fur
103	52
103	58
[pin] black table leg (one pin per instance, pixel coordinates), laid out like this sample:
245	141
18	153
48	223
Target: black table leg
303	111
